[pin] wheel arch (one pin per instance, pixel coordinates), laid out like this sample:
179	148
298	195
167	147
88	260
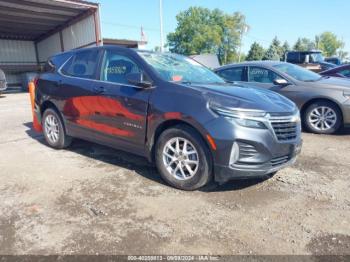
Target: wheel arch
172	123
319	99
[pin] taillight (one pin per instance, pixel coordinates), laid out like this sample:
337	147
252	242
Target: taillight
35	81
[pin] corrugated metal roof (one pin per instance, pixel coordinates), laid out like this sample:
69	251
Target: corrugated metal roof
34	19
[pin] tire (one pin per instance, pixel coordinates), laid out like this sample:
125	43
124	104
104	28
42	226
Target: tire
61	140
330	118
201	173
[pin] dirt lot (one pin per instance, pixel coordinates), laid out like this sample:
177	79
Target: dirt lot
91	199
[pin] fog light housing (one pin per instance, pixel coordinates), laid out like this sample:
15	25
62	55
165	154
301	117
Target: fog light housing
234	153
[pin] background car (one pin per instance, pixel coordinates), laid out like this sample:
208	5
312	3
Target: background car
3	84
324	102
340	71
333	60
312	60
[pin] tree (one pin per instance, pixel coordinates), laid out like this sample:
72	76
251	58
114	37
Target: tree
274	52
329	43
285	48
201	30
304	44
255	53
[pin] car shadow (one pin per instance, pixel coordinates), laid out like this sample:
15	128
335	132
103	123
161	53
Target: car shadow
136	163
345	131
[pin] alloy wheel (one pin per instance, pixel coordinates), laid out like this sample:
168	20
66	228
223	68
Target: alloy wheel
180	158
322	118
52	128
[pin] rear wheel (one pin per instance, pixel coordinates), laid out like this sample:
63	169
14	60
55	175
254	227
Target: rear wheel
183	159
53	129
322	118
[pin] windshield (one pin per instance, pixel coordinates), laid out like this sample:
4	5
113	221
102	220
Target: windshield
177	68
316	58
298	72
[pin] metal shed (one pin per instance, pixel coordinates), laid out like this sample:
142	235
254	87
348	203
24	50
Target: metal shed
33	30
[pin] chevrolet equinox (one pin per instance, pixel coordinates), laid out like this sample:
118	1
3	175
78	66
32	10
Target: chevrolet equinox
170	109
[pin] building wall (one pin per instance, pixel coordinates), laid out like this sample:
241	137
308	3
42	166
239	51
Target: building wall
14	51
49	47
79	34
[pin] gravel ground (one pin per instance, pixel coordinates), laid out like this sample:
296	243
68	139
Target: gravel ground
91	199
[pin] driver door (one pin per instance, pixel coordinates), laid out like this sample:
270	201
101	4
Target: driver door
264	78
121	110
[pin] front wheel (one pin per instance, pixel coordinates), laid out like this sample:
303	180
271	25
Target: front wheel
322	118
182	158
54	131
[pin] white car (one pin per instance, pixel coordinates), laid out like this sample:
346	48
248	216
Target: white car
3	84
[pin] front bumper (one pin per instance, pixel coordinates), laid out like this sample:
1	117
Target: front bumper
226	173
259	152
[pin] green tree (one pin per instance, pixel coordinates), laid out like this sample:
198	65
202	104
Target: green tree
304	44
201	30
255	53
274	52
285	48
329	43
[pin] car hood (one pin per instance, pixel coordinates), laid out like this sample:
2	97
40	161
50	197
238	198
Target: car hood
332	83
249	98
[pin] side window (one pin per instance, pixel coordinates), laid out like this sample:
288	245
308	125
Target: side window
116	67
345	72
232	74
82	64
262	75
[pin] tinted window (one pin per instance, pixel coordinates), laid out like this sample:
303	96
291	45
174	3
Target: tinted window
345	72
116	67
297	72
261	75
293	57
232	74
82	64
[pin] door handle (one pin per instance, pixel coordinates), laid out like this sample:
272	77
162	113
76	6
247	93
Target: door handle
99	89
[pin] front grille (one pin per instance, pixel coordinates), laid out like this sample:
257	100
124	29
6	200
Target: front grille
246	150
279	161
285	128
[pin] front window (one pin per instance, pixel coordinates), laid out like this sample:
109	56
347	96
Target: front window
316	58
176	68
262	75
345	72
298	72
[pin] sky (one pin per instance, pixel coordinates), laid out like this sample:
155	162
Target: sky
287	20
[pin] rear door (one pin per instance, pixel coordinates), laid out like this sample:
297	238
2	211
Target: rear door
233	74
75	90
120	116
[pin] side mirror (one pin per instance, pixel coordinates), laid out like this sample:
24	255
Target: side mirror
137	79
280	82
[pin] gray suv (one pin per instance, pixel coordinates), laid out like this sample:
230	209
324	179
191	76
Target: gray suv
3	84
324	101
171	110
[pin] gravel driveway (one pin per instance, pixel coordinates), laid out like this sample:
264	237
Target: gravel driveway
91	199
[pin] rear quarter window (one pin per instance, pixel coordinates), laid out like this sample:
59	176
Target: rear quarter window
82	64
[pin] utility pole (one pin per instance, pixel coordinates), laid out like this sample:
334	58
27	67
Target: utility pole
161	25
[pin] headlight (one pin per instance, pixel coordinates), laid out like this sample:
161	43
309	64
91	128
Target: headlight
347	94
242	117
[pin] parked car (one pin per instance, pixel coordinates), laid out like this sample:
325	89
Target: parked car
324	102
333	60
311	60
340	71
169	109
3	84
